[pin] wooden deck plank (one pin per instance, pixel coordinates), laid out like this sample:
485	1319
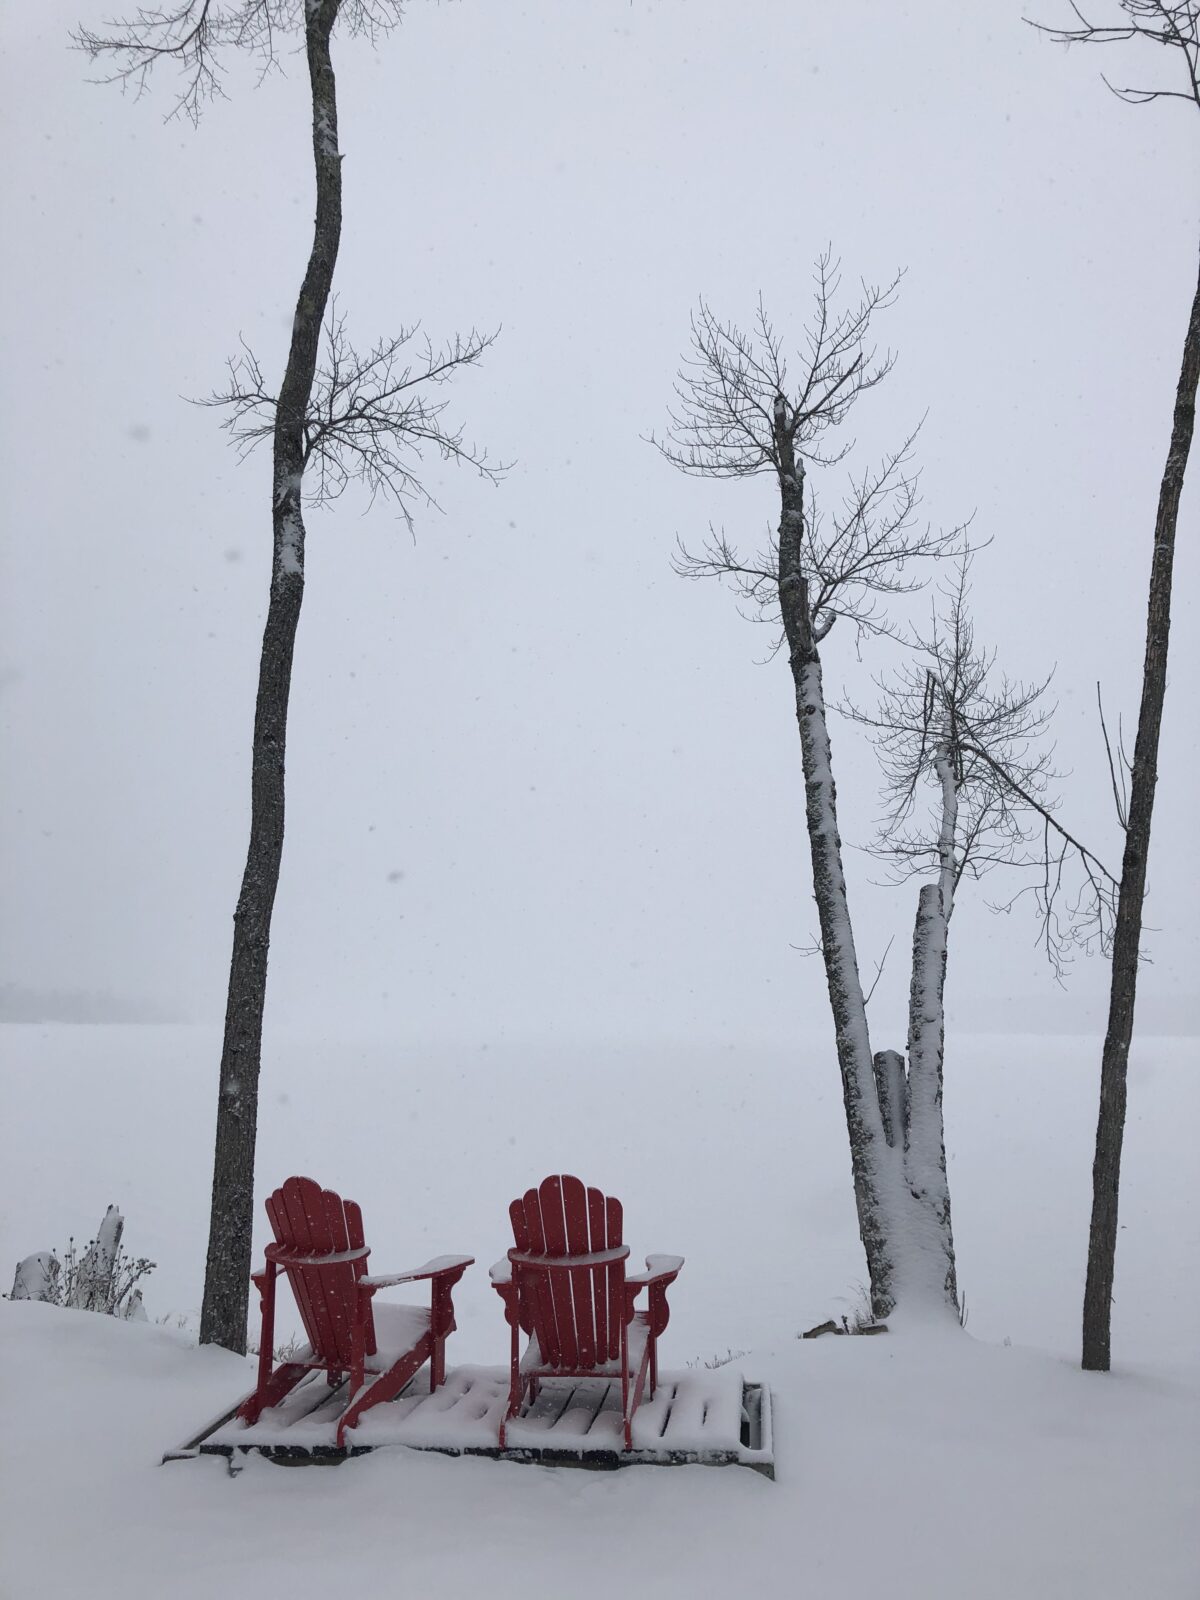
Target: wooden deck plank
706	1417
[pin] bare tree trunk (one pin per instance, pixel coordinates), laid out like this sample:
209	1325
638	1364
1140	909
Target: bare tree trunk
863	1120
925	1151
227	1274
1110	1127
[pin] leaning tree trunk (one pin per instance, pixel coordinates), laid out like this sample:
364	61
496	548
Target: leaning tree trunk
227	1274
863	1120
1127	934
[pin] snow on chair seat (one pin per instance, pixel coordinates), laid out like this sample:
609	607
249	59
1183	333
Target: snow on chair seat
319	1243
564	1285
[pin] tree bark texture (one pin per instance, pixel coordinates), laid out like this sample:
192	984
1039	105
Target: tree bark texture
925	1144
863	1121
1127	933
227	1274
891	1088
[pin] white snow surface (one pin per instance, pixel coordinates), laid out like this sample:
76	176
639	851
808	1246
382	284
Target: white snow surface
924	1462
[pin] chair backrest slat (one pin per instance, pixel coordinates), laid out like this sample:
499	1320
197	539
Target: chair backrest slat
554	1230
615	1285
598	1240
574	1200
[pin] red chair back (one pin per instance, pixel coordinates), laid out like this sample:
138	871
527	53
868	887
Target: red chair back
312	1221
576	1316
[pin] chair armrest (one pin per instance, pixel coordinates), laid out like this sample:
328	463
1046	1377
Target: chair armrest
659	1269
501	1273
436	1268
285	1256
596	1258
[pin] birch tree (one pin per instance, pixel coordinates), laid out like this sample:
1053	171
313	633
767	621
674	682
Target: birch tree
335	417
968	789
1167	31
833	562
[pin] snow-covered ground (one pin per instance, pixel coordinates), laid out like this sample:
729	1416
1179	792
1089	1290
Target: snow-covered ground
916	1464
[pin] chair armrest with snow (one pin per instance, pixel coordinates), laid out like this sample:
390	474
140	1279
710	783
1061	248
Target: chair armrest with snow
660	1273
442	1273
438	1267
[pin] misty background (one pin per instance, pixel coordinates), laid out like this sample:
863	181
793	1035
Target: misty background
538	785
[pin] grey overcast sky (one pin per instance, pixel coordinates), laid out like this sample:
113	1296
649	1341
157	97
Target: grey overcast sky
537	784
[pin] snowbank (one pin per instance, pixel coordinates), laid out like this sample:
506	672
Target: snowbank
982	1471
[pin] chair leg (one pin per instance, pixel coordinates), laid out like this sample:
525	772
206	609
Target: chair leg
625	1417
265	1281
385	1387
281	1382
510	1411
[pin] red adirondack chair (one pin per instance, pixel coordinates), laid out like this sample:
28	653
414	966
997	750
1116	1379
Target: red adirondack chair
564	1284
319	1244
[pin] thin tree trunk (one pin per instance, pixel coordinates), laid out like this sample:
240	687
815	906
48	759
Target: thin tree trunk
863	1120
925	1151
1127	934
227	1274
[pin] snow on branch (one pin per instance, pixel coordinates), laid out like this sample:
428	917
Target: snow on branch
957	738
1171	23
371	417
194	39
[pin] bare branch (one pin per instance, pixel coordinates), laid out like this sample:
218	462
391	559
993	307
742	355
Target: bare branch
879	966
370	417
1119	791
722	424
738	413
948	716
1173	23
193	38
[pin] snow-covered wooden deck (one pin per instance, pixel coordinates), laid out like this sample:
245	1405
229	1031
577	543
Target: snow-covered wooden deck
702	1416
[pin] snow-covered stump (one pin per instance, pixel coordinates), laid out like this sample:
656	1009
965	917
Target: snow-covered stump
93	1286
133	1310
37	1277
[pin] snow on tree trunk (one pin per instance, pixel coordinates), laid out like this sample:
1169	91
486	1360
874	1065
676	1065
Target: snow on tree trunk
37	1277
925	1151
863	1121
925	1154
93	1287
904	1257
227	1271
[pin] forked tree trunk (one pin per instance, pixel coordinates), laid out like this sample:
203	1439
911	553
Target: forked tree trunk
227	1274
1127	934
